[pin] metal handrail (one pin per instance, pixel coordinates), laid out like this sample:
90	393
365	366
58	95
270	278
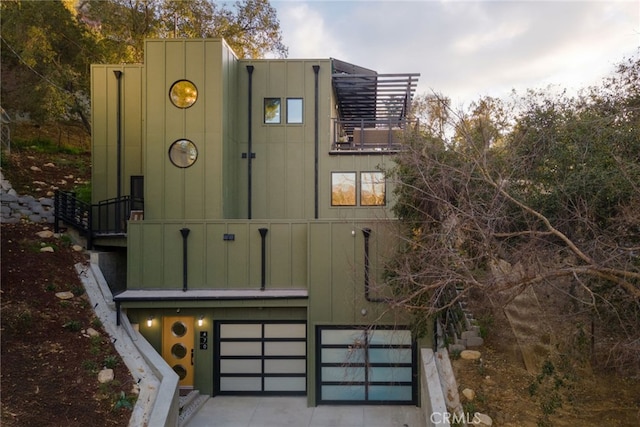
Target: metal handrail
105	217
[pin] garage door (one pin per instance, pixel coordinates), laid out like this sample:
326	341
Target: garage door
360	365
260	358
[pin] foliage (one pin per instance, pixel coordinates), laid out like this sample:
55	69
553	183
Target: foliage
541	191
48	47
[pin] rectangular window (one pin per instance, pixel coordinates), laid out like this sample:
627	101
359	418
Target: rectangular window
343	188
272	110
372	189
294	110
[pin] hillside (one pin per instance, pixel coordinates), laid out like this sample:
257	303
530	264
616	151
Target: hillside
49	361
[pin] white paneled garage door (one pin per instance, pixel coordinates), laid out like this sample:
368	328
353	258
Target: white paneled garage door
260	358
362	365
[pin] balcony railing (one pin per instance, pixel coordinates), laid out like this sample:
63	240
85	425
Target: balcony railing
370	135
105	218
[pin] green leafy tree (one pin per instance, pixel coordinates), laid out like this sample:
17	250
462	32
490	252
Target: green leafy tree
46	55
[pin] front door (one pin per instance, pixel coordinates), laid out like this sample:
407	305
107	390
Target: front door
177	347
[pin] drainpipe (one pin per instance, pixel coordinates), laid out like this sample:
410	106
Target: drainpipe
249	142
185	234
316	70
263	235
367	233
118	75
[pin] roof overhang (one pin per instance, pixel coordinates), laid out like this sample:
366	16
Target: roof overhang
365	94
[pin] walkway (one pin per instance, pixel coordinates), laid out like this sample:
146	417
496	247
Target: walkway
233	411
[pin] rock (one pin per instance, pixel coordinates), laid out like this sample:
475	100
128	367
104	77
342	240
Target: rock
35	169
45	234
474	341
135	390
470	355
105	376
481	420
77	248
469	394
49	165
46	202
64	295
46	249
92	332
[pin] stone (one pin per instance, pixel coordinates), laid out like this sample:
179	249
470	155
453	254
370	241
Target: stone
49	165
64	295
474	342
105	376
47	249
481	420
468	334
8	197
45	234
470	355
77	248
92	332
35	169
35	218
46	202
469	394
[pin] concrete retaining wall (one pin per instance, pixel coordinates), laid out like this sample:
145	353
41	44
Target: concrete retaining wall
158	403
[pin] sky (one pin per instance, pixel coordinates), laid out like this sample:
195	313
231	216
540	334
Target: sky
468	49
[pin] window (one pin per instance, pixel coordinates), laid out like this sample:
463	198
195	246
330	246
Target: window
294	110
372	189
343	189
183	94
183	153
272	110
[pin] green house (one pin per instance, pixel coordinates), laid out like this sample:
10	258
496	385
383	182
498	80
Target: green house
249	202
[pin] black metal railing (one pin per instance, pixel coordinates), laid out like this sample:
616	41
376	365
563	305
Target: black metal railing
72	211
371	134
108	217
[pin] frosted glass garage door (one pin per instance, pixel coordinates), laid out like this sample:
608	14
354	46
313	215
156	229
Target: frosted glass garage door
261	358
366	365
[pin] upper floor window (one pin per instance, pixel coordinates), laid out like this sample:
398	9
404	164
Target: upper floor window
372	189
272	110
183	153
294	110
344	186
183	94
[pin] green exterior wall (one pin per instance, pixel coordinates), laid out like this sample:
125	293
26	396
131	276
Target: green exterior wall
104	132
323	255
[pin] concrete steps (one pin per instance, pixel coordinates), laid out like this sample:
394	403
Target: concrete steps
189	406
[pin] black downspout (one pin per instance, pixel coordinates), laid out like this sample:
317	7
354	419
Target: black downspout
118	313
118	75
367	234
249	142
263	235
185	234
316	70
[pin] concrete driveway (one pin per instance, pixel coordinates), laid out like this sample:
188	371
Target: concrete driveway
234	411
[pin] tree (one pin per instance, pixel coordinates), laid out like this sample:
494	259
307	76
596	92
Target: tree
48	47
46	55
546	196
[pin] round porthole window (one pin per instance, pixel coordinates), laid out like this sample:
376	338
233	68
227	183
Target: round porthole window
178	351
179	329
183	94
183	153
180	370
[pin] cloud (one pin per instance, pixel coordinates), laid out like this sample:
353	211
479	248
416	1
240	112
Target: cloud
465	49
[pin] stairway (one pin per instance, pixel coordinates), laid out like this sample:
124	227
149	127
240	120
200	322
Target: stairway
189	405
